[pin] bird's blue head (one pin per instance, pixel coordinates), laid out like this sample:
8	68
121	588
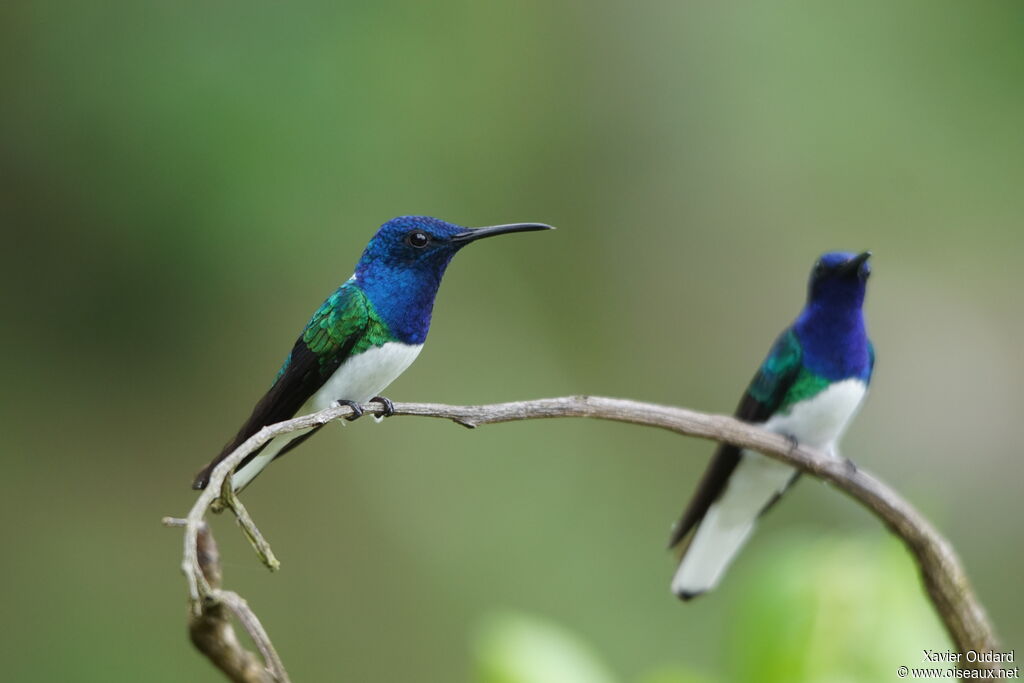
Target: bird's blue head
839	280
831	327
402	266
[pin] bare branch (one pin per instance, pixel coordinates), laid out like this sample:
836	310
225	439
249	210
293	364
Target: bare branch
249	528
211	631
944	578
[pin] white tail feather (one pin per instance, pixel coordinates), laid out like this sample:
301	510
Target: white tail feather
729	522
242	476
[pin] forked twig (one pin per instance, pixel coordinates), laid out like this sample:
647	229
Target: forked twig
211	631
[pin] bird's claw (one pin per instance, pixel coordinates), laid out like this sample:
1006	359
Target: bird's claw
794	443
357	410
389	407
851	466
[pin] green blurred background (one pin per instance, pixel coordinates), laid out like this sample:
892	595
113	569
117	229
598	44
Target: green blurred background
183	183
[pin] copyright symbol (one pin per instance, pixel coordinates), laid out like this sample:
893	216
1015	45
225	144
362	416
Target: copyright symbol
902	672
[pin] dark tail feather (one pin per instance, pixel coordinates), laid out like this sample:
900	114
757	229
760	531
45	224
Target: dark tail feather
203	477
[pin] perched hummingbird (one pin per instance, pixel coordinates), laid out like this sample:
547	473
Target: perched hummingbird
809	388
363	337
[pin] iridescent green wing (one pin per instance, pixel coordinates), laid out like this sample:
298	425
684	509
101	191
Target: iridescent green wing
331	334
768	391
336	331
345	325
773	385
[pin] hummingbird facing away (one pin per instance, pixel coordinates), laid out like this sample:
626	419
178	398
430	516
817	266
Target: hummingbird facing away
808	388
362	337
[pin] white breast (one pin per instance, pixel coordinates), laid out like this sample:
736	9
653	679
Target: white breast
362	377
359	379
820	420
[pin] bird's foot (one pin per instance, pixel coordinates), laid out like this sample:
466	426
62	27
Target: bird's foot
357	410
389	407
794	443
851	466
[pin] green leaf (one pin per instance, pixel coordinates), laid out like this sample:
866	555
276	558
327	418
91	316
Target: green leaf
832	611
517	648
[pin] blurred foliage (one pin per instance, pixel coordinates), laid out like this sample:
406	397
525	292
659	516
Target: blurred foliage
515	648
829	611
825	611
181	184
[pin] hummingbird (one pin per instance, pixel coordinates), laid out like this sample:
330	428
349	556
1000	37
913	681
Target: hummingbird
362	337
809	388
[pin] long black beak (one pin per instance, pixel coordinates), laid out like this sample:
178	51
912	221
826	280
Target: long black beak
854	264
473	234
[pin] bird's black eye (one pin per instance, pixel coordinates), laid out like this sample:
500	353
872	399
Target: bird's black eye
417	238
819	268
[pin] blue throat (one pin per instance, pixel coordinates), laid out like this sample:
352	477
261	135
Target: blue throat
403	298
401	282
832	333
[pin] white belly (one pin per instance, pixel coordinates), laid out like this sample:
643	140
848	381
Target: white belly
362	377
820	421
359	379
817	422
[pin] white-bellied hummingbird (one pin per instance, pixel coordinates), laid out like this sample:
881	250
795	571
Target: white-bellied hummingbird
809	388
363	336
